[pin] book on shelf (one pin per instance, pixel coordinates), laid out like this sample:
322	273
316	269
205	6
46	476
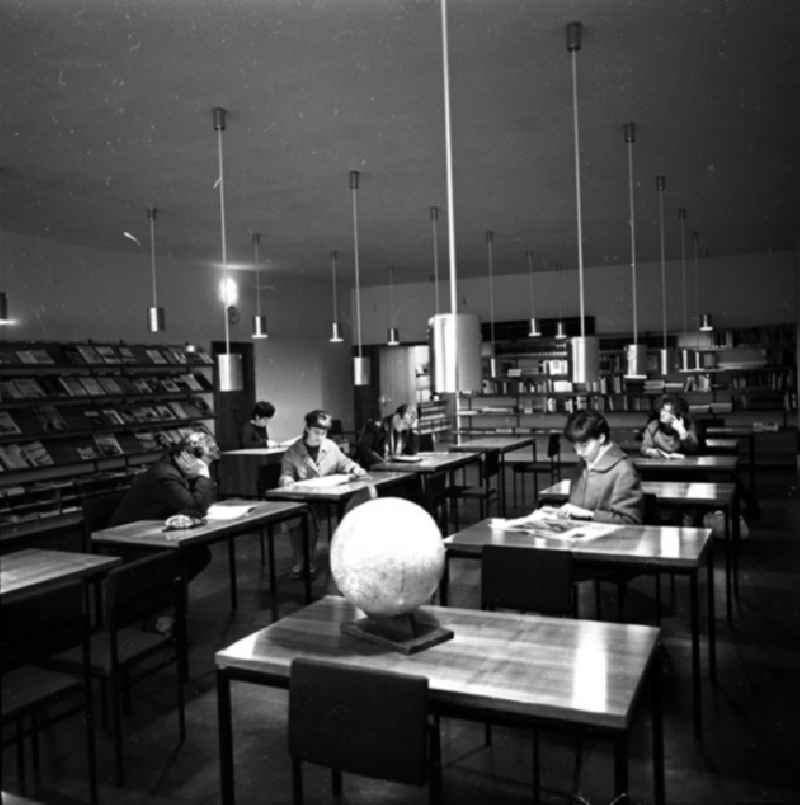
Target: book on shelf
37	455
178	355
164	411
155	356
109	385
107	353
127	415
204	382
12	457
70	352
51	386
113	417
8	426
145	413
88	353
85	451
147	441
50	420
169	385
92	419
8	357
199	356
178	409
107	445
73	386
92	386
171	436
26	356
9	390
142	385
189	381
125	384
29	387
126	354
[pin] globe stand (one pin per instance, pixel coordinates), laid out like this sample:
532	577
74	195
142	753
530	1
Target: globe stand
408	633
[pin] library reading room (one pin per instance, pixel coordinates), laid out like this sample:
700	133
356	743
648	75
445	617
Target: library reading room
399	402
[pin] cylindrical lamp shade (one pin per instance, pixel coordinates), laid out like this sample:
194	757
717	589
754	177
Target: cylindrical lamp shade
585	352
229	368
533	327
561	332
336	337
686	359
665	360
392	337
446	354
636	359
360	371
259	328
705	323
155	319
3	308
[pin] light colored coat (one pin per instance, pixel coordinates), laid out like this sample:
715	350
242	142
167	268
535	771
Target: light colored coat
297	464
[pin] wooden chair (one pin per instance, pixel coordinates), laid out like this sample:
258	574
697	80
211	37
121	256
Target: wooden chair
361	721
97	511
133	593
529	580
268	477
487	491
551	467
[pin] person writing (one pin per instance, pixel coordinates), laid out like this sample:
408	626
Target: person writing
254	432
403	436
313	455
669	433
607	488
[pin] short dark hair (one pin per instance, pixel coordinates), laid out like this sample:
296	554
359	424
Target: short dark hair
584	425
318	419
262	408
678	404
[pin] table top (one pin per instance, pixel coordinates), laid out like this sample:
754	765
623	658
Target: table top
690	463
256	451
574	671
639	545
729	443
729	431
34	571
151	532
688	492
336	493
428	463
14	799
502	444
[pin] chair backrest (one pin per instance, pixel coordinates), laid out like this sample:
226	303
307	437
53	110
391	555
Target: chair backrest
97	510
359	720
426	442
527	579
268	477
490	466
553	445
142	588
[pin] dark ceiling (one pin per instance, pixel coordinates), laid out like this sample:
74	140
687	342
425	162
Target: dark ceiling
106	110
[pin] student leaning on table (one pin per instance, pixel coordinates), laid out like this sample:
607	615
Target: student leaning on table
313	455
607	488
669	431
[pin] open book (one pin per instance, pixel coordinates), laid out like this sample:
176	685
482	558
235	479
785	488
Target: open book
545	523
222	511
325	482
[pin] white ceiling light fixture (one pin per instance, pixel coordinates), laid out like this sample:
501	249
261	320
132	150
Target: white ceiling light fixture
636	353
490	271
229	365
392	335
156	321
336	337
533	325
259	320
360	363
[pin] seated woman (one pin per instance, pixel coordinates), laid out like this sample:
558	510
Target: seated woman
669	430
372	442
254	432
607	488
404	436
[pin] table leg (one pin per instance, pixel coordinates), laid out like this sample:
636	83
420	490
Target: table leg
502	463
621	765
232	573
728	541
86	652
736	535
696	688
712	626
752	457
444	584
225	731
273	576
307	555
657	745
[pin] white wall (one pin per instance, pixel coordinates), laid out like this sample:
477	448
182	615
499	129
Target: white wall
737	291
62	292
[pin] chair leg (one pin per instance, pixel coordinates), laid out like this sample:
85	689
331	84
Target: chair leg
297	781
435	784
487	734
658	599
621	589
21	754
596	598
261	545
336	784
116	715
537	785
35	746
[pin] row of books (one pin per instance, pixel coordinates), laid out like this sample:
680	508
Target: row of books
23	388
34	454
94	354
50	419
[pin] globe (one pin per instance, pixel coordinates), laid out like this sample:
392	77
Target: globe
387	556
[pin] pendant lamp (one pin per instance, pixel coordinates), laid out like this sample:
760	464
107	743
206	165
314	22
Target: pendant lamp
636	353
533	326
490	269
685	351
155	314
259	320
229	365
335	338
561	333
664	355
435	226
585	350
360	363
704	319
5	321
455	338
392	336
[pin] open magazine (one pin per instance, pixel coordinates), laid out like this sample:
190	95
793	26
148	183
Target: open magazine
546	523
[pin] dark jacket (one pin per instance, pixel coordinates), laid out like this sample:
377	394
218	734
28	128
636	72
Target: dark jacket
611	488
163	491
250	436
662	437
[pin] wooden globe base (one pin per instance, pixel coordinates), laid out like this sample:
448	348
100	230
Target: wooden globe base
407	633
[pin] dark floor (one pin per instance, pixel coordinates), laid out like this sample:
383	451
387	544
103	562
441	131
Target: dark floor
749	751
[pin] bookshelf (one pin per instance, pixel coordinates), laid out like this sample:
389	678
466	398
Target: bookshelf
81	419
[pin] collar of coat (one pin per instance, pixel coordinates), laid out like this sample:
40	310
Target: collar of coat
608	460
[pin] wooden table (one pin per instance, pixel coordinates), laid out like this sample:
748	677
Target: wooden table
264	515
649	549
504	668
688	466
338	496
33	572
714	434
239	469
500	445
429	466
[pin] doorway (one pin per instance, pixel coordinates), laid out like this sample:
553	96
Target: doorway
232	408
